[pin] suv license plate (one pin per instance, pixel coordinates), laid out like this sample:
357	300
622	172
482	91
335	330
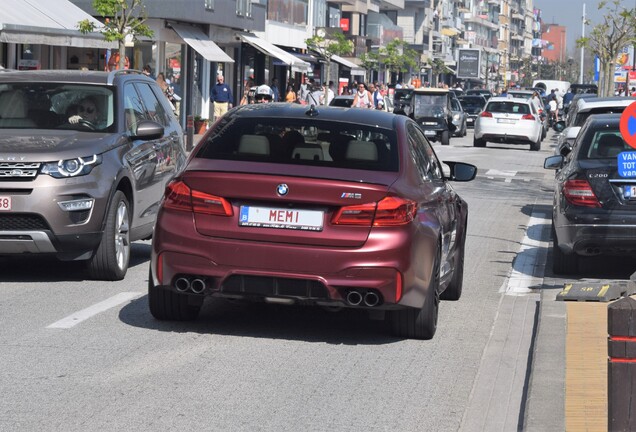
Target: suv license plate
629	192
5	203
429	133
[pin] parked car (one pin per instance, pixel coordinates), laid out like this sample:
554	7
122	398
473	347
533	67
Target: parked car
84	160
431	109
487	94
346	101
541	108
459	118
509	120
472	104
320	206
583	109
594	210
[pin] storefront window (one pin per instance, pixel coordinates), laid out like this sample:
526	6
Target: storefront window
288	11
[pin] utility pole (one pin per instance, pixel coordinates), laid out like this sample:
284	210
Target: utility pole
582	47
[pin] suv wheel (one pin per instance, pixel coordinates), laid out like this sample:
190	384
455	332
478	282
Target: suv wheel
110	261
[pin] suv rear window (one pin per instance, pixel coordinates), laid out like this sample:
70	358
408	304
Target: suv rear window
508	107
302	142
47	105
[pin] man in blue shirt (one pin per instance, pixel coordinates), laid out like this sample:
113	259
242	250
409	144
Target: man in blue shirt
221	95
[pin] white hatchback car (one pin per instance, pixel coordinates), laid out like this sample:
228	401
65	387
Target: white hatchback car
509	120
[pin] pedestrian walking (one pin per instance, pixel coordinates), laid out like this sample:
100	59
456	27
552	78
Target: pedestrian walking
221	95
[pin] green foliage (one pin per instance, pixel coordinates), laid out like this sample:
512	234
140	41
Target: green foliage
337	44
398	57
122	18
607	39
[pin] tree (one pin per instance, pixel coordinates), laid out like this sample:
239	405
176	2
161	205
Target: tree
398	57
608	39
122	18
369	61
438	67
337	44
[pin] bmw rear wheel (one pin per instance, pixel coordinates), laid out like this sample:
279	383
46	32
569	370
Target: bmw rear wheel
168	305
110	260
421	323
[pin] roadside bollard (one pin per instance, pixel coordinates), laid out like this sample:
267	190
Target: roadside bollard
621	368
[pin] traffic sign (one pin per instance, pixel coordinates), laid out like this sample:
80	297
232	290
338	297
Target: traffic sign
628	125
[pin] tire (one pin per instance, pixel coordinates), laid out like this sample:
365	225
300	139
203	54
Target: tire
445	138
479	142
544	133
465	129
110	260
421	323
168	305
454	289
562	263
536	146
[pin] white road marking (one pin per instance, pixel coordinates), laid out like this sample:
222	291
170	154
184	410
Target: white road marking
90	311
494	172
529	265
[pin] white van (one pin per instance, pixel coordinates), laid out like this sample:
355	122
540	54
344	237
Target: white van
548	85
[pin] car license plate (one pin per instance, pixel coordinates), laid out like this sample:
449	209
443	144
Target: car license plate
629	192
5	203
429	133
509	121
469	120
268	217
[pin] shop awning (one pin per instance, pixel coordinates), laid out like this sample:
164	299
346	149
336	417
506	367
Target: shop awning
273	51
47	22
355	69
201	43
449	31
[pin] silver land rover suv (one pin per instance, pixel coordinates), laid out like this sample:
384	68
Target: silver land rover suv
84	160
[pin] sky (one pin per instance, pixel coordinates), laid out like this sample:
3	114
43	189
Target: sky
568	13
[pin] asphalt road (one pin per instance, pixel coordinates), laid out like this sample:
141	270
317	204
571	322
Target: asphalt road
80	355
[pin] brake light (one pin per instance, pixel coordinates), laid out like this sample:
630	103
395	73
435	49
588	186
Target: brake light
580	193
485	114
390	211
398	287
179	196
528	117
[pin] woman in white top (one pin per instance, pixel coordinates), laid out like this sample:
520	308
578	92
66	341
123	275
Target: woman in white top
362	98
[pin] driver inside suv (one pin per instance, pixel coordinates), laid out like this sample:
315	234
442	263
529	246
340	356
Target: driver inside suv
87	112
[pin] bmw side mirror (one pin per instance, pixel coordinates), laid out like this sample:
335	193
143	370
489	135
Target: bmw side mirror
459	171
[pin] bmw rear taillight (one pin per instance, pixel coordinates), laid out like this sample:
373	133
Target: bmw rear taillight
528	117
580	193
179	196
485	114
390	211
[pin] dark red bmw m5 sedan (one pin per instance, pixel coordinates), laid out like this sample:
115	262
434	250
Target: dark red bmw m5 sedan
323	206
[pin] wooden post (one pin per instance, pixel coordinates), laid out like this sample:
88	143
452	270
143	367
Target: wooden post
621	370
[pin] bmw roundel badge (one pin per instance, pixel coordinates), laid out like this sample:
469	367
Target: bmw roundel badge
282	189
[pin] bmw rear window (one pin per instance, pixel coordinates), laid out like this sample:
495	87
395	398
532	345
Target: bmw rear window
302	142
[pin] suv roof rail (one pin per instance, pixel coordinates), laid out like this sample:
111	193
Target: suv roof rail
116	72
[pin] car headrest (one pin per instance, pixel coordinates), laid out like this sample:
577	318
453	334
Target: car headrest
254	144
12	104
361	150
610	145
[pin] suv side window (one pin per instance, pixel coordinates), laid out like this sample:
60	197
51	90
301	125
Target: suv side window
423	154
154	109
133	107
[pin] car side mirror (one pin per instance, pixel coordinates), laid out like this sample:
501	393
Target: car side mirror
559	126
554	162
148	130
459	171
